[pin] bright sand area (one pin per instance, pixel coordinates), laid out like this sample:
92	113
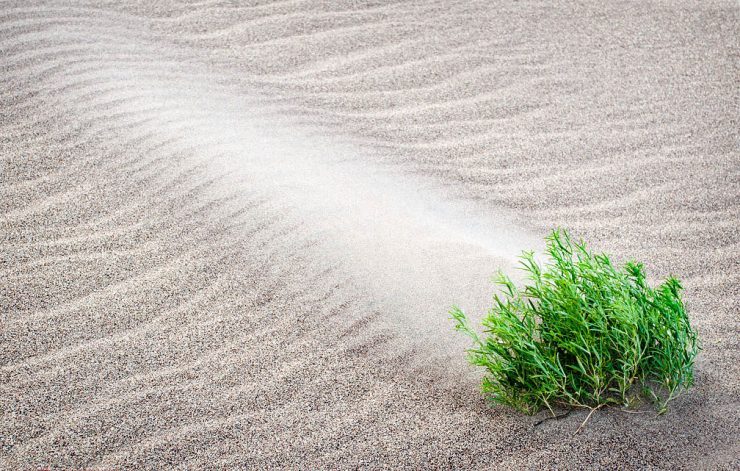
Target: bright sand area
229	235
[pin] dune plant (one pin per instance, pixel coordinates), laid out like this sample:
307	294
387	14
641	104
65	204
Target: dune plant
582	333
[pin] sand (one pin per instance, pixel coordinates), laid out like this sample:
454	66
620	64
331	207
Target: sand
229	234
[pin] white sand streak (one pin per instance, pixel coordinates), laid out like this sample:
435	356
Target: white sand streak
418	249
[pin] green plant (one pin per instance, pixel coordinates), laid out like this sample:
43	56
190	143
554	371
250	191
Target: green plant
582	333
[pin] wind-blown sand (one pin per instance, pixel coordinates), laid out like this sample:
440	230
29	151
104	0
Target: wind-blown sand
229	235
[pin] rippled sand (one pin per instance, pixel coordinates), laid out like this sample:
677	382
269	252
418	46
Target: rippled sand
229	234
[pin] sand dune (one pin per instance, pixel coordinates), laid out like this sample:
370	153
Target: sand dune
230	233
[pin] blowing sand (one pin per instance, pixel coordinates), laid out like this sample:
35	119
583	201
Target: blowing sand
229	235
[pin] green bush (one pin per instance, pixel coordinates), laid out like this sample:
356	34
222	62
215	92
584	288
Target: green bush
583	333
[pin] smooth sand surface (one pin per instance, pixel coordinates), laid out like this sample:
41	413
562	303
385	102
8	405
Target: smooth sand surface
230	231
